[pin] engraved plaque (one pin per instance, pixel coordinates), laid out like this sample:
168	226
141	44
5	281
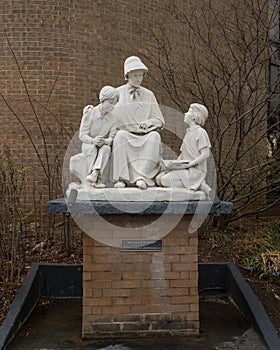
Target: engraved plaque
142	244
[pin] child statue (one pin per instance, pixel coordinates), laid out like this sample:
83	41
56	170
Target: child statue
189	170
97	130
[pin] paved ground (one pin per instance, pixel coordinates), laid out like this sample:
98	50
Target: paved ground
58	327
249	340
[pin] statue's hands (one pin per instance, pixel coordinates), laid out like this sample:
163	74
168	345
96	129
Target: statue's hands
175	165
87	109
171	166
99	141
147	124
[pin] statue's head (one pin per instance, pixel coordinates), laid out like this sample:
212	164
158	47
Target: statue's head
108	93
200	113
108	97
132	64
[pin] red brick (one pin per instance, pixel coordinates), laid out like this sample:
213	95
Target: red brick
117	292
182	300
145	309
126	301
98	284
137	275
189	258
193	290
96	310
154	300
165	275
184	275
97	301
87	258
192	299
87	327
87	276
183	308
128	266
167	258
127	318
154	284
194	307
126	284
184	266
101	259
175	291
87	293
133	258
86	309
116	309
157	267
178	283
99	267
180	250
106	276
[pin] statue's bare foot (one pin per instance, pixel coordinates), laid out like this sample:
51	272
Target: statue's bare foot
119	184
141	184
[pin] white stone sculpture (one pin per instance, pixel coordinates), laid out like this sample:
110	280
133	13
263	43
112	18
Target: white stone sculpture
190	169
137	144
121	148
97	130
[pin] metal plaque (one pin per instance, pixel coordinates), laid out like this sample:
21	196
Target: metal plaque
142	244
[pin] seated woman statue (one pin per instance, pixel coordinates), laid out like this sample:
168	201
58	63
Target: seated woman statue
137	146
189	170
97	130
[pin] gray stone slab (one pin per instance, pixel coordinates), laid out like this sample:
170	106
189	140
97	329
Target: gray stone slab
59	206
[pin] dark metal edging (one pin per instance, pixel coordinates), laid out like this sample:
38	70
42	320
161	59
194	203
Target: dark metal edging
65	281
244	298
61	281
24	303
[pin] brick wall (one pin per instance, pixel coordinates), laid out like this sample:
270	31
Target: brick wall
131	294
66	51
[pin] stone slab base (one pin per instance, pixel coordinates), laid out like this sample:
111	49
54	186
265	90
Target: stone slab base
132	294
151	194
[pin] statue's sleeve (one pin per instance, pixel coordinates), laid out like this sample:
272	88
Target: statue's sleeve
203	140
112	134
113	130
156	114
85	125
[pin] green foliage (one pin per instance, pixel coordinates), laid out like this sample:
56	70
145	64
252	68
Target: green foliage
266	262
249	264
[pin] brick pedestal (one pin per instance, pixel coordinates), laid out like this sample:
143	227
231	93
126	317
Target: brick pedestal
128	294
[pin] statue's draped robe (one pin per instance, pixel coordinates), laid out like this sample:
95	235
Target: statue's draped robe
136	152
